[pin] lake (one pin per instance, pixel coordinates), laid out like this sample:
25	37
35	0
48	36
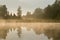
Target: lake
29	31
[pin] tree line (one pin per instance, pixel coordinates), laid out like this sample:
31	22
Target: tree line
50	12
4	13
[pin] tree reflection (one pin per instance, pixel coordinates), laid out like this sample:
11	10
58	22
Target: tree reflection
19	31
53	32
3	32
37	30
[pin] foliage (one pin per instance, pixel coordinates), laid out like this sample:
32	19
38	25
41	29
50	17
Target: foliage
28	14
52	11
37	13
19	12
3	11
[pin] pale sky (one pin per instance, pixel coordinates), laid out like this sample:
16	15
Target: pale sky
26	5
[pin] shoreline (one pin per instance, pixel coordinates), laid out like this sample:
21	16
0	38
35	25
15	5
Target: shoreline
29	21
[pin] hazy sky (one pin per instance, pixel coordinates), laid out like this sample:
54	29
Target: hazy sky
26	5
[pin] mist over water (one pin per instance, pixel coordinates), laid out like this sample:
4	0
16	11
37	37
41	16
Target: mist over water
27	31
25	35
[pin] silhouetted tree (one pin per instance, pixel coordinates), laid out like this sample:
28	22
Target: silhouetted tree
3	11
28	14
37	13
48	10
19	12
53	11
7	15
14	16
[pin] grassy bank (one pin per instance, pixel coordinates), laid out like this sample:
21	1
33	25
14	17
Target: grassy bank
29	20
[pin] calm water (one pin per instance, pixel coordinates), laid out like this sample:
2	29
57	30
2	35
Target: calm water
32	31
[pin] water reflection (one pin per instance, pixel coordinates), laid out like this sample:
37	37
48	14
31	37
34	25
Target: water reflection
25	34
3	32
12	35
29	33
53	32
